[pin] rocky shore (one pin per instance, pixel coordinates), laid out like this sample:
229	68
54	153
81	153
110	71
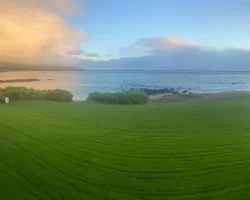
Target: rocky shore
153	92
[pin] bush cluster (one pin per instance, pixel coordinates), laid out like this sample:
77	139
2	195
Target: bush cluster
59	95
1	95
128	97
23	93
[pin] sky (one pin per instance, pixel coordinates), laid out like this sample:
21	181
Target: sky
114	24
111	34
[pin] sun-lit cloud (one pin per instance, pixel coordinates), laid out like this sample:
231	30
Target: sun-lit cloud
154	45
164	43
35	32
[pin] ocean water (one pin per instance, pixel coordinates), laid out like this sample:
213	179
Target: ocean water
83	82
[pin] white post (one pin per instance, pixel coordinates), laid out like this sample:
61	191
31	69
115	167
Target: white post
6	99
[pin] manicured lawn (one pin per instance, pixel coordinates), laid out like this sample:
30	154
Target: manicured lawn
87	151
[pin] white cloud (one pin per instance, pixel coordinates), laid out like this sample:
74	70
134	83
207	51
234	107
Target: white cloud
34	32
164	43
146	46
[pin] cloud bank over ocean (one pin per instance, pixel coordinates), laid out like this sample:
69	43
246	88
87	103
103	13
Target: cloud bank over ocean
171	53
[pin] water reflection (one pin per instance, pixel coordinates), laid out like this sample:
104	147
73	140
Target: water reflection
48	80
83	82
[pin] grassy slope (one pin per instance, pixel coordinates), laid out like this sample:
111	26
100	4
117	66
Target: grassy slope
92	151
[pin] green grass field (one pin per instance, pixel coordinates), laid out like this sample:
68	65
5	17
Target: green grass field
87	151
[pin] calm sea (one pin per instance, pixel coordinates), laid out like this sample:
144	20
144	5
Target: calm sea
84	82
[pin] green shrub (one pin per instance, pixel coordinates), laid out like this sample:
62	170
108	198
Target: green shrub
1	96
59	95
128	97
23	93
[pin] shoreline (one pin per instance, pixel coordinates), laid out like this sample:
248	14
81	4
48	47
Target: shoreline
196	97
